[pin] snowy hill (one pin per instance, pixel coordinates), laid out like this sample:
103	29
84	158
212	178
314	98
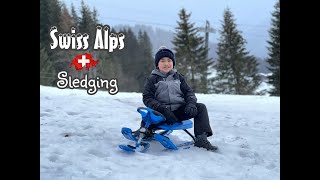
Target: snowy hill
80	133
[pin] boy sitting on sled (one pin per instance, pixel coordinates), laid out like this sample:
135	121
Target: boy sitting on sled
167	92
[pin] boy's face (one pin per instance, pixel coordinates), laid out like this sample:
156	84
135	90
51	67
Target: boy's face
165	64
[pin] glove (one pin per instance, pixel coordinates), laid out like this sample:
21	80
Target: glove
191	110
170	117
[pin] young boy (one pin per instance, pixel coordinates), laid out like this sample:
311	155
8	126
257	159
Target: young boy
167	92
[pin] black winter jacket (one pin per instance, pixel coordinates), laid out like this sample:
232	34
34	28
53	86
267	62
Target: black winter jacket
167	91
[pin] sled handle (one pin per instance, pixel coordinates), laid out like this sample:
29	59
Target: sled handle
159	114
142	112
153	111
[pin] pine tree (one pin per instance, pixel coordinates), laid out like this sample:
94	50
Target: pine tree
128	58
66	20
95	16
50	15
106	67
87	25
274	52
191	59
237	71
87	21
44	21
75	17
47	74
204	69
145	58
64	57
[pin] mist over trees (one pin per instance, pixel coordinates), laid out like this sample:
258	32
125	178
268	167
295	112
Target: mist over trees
236	70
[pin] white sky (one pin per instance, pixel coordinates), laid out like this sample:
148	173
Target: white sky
246	129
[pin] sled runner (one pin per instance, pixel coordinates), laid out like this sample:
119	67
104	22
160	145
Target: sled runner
160	133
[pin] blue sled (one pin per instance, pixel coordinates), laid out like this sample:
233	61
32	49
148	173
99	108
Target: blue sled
150	116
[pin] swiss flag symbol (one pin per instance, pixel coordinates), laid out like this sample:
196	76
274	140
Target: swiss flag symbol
83	60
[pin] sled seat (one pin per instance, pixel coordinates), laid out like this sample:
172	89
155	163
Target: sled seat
150	116
186	124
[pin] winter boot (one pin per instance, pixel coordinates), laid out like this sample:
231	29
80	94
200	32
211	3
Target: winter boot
202	142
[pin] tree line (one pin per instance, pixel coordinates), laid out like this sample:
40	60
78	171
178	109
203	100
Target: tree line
236	71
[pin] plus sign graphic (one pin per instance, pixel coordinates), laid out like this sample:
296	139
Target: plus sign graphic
83	60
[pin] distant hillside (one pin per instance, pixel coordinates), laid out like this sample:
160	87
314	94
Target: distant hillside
263	66
159	37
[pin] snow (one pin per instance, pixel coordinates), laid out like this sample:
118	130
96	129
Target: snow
80	134
264	88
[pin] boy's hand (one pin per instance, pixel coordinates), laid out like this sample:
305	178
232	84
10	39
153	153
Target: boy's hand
191	110
170	117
